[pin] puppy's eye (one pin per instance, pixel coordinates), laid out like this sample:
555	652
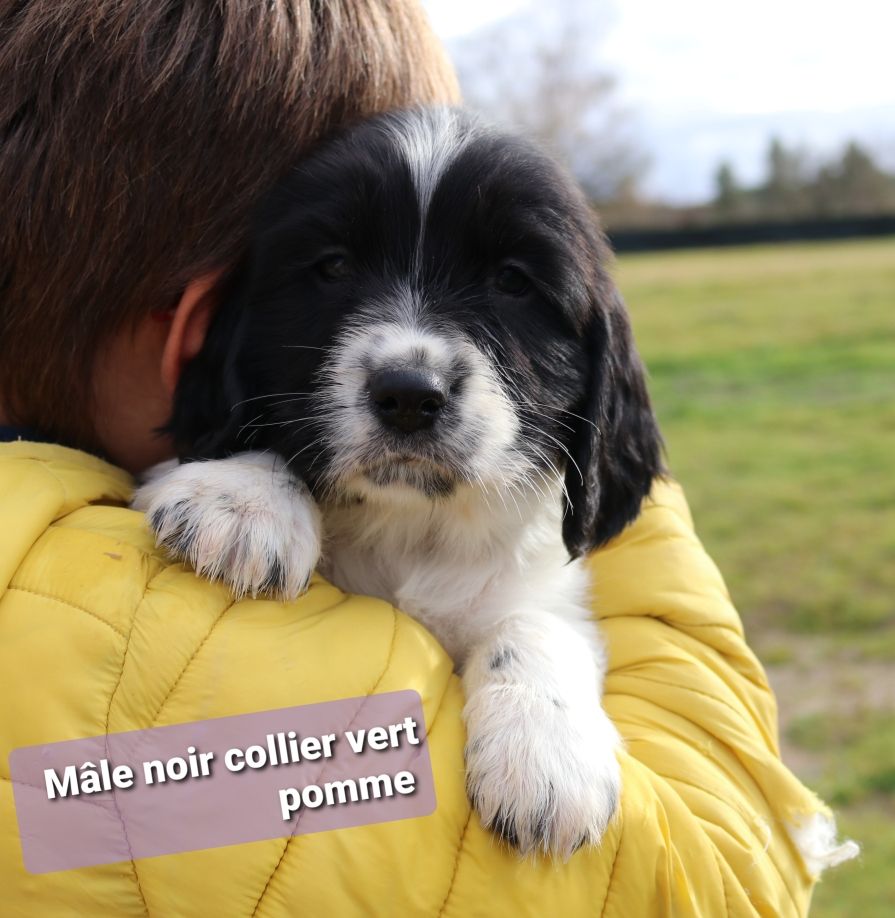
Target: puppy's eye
512	281
333	267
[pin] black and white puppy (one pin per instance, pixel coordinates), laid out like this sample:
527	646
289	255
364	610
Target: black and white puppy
422	380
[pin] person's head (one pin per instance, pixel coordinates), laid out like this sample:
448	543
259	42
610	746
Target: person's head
135	138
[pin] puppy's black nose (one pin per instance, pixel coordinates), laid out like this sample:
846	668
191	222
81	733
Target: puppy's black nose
408	399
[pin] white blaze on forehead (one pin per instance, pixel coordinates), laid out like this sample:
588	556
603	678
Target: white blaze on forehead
429	140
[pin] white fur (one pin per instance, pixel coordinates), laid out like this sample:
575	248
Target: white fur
235	520
429	140
815	838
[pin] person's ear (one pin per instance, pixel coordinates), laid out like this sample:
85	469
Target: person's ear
209	410
188	322
616	447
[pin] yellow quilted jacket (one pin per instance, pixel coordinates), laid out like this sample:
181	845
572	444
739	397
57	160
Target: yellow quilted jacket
100	633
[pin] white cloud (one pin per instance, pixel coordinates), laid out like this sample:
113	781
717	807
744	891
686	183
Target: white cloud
764	56
714	78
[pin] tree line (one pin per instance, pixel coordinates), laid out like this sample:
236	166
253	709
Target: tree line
539	71
797	186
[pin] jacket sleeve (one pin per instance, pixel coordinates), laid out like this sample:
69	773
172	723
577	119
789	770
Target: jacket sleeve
98	633
702	763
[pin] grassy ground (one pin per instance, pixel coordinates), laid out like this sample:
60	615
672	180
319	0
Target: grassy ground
773	373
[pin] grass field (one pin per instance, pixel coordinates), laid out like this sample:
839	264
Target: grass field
773	373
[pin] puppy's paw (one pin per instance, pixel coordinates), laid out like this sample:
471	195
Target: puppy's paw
541	774
244	520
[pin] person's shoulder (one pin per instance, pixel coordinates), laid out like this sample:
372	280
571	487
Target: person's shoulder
658	566
77	564
42	483
99	632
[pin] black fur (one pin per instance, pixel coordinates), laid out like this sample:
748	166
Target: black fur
563	346
617	446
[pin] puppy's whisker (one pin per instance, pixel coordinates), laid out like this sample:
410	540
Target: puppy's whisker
291	401
570	413
526	485
497	491
547	460
485	487
541	414
483	490
545	488
287	422
562	447
559	479
256	398
516	504
307	347
321	439
247	425
510	374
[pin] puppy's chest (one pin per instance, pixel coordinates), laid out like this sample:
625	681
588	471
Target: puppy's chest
411	570
452	580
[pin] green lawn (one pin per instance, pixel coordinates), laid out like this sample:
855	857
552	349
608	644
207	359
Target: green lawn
773	373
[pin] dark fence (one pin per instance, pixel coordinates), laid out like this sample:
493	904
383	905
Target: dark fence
693	237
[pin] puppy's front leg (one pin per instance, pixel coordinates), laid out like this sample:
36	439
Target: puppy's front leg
541	766
244	520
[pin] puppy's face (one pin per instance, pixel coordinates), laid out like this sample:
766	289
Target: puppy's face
424	308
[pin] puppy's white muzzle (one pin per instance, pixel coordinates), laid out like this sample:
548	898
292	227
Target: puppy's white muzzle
411	407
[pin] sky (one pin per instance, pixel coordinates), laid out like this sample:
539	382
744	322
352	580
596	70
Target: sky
712	79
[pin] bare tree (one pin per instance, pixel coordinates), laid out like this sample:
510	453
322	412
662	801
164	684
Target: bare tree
540	72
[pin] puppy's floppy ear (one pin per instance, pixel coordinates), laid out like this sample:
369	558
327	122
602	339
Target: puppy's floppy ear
616	448
209	410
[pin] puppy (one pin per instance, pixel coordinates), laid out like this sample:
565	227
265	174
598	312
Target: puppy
422	381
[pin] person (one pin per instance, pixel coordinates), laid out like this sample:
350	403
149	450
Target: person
135	137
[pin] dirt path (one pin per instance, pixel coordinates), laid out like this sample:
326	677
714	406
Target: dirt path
821	678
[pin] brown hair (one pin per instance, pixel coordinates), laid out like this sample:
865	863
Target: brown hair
135	137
